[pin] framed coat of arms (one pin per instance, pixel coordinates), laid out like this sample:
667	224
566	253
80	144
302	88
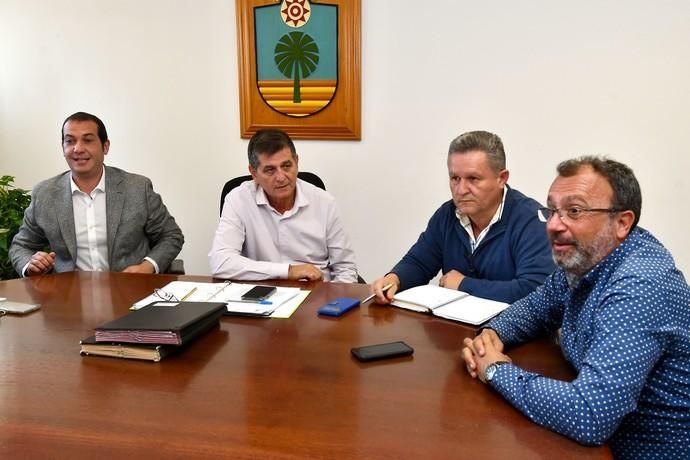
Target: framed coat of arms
299	67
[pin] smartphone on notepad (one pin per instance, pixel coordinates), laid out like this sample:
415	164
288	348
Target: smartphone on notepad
382	351
258	293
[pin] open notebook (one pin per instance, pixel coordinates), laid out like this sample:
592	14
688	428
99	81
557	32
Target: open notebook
280	304
448	303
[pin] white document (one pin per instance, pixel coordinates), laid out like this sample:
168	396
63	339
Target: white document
281	304
462	306
184	290
284	310
233	297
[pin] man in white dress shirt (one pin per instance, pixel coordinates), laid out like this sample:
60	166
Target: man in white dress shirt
279	226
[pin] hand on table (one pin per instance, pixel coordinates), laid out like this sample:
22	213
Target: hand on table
304	272
483	350
143	267
451	280
40	263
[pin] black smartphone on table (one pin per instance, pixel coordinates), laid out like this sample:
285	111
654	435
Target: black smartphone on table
382	351
258	293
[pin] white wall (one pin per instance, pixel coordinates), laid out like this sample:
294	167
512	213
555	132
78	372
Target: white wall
554	79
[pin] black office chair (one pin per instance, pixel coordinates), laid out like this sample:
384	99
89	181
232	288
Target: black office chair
304	175
176	267
232	183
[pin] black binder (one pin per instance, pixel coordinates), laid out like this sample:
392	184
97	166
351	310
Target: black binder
162	323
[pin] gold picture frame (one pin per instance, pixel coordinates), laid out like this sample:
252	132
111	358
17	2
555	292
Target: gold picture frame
341	117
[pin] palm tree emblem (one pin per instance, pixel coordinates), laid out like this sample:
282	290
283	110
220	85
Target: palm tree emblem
296	55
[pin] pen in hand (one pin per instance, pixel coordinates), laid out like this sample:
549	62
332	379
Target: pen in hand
385	288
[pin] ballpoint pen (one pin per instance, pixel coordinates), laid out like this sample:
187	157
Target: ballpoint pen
385	288
188	294
258	302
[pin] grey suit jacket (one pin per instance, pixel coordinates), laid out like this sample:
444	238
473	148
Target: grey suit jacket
138	224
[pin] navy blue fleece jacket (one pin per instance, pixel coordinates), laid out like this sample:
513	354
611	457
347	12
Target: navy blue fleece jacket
510	262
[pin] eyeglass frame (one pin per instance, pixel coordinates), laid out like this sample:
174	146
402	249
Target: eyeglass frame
165	295
580	212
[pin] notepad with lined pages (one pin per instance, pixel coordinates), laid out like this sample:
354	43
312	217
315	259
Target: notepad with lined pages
449	304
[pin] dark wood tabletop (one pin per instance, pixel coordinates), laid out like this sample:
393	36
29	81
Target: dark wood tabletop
254	388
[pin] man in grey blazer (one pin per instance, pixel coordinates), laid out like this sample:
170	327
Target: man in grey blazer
94	217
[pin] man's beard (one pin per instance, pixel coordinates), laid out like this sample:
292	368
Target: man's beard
586	256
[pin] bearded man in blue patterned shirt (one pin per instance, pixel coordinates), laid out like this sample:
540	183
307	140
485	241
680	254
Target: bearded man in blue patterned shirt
623	310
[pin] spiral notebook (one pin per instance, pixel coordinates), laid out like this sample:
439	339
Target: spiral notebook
449	304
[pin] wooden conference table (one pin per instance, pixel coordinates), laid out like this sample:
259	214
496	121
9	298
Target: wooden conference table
254	388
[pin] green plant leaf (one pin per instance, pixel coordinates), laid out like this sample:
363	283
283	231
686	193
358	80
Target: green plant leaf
13	202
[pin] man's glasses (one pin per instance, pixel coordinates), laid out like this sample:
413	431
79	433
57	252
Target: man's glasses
165	295
571	212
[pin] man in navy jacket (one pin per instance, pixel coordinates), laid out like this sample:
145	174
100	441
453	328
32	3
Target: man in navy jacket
487	241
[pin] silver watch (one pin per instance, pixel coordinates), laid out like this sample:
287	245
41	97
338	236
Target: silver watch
491	370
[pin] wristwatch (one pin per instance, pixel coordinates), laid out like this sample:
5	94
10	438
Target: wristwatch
491	370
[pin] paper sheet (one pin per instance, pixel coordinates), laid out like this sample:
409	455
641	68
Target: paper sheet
283	302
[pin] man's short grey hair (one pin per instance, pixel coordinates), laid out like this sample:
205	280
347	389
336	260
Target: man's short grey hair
484	141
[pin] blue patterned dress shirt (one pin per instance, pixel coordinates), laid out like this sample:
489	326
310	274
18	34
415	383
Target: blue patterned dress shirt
625	327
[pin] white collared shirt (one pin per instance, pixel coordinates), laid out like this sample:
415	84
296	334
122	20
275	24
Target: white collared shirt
253	241
90	227
467	224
